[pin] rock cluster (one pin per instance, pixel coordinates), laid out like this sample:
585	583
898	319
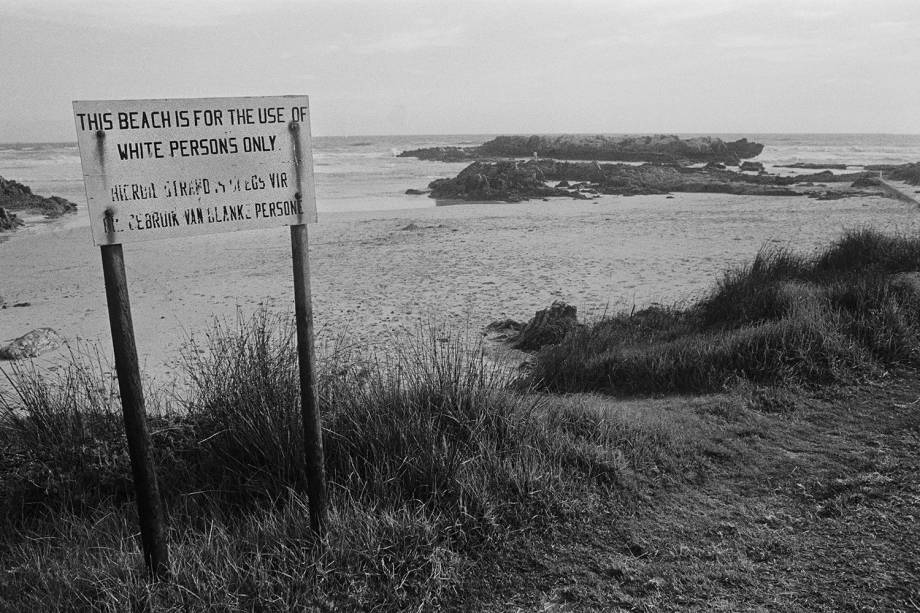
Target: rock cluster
516	181
909	173
658	148
506	181
15	196
813	166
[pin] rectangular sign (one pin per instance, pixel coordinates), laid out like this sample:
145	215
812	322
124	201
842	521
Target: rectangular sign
164	168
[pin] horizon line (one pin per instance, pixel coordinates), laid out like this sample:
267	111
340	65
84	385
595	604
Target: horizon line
493	134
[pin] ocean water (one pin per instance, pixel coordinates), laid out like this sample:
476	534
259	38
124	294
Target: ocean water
362	173
352	173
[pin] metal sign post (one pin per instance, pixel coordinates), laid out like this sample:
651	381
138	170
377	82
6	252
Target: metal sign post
309	405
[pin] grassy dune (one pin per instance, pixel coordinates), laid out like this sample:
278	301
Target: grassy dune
452	485
784	318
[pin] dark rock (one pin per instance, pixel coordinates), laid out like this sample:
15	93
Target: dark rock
504	330
752	166
867	182
441	154
22	304
714	166
416	192
2	303
814	166
834	195
15	196
909	173
826	176
658	148
32	344
498	181
516	181
547	327
8	221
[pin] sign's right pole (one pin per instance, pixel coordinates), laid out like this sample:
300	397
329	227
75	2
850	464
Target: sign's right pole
312	425
309	400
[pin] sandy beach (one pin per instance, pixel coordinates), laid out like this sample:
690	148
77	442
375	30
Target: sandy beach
377	274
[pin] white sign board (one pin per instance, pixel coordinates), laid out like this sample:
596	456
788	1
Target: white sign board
163	168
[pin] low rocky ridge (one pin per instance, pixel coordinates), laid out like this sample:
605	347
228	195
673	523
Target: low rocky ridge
909	173
814	166
658	148
515	181
15	196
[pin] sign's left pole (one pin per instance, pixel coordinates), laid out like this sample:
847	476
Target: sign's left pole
149	507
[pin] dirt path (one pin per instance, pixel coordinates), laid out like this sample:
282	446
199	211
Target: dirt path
897	192
808	503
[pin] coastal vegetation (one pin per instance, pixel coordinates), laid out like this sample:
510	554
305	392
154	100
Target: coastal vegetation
591	480
785	317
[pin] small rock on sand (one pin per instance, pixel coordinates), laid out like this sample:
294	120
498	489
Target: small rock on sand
547	327
32	344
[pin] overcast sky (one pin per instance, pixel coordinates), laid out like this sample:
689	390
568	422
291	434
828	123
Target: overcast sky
432	67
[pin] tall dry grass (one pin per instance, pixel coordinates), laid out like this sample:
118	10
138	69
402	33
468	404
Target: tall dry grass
433	462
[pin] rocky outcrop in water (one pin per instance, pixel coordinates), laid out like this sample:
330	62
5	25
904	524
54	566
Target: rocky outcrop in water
505	181
658	148
441	154
15	196
517	181
813	166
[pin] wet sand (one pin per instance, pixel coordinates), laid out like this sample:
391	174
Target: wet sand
377	274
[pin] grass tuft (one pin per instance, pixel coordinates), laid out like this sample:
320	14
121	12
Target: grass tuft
433	459
783	318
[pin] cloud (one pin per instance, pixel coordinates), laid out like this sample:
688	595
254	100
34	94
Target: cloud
413	40
117	13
